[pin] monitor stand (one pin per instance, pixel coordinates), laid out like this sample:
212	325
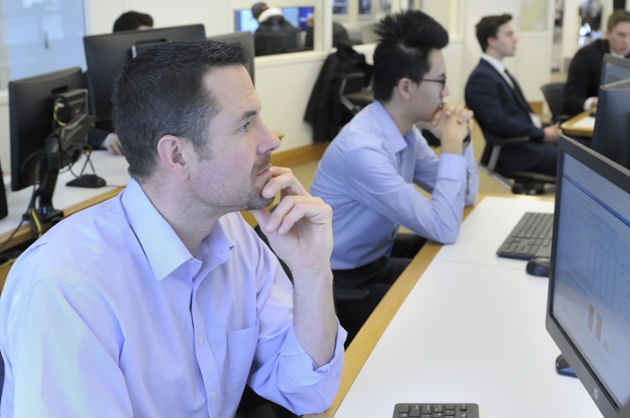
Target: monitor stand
563	368
91	181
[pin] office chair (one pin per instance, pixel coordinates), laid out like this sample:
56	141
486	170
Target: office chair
346	300
523	182
554	96
355	91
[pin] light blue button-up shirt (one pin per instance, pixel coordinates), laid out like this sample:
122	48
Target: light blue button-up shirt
367	176
109	315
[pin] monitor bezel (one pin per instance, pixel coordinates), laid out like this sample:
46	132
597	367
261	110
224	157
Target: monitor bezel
619	176
101	74
21	145
611	59
246	41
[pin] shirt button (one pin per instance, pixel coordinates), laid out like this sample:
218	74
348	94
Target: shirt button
213	395
200	340
191	260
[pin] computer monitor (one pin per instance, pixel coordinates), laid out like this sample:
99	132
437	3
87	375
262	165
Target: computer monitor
49	126
244	20
107	54
588	309
246	41
298	16
614	69
611	134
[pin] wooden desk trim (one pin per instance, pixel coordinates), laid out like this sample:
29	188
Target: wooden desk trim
568	128
24	233
367	337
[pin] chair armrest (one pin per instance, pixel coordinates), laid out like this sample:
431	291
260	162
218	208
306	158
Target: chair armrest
350	294
496	149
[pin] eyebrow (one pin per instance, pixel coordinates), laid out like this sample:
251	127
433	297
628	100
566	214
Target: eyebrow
248	114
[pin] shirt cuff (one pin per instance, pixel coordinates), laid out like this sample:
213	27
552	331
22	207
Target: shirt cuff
452	167
588	103
301	365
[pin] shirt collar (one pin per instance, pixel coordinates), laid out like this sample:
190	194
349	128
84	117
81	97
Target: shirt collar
498	65
395	141
163	248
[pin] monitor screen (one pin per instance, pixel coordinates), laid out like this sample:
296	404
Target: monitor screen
107	54
31	118
298	16
245	21
614	69
611	135
246	41
588	313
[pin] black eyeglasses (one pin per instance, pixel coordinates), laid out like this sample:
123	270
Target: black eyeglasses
442	81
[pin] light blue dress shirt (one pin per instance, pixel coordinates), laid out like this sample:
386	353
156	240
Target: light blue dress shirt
109	315
367	176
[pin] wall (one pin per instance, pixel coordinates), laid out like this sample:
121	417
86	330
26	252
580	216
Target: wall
284	82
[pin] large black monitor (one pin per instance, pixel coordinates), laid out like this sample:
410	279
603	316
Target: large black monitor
614	69
611	135
107	54
49	126
588	310
246	40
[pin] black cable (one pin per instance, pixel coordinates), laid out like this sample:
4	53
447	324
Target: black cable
12	234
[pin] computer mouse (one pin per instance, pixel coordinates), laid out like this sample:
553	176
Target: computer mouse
563	367
88	180
539	266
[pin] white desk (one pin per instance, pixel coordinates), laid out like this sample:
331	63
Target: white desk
472	329
111	167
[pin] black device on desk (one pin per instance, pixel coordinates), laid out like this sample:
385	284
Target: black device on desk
436	410
611	134
49	126
107	54
588	309
614	69
3	200
530	238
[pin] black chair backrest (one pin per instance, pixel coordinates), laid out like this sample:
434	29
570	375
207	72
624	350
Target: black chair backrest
554	93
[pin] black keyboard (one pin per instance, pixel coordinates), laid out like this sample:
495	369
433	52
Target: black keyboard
530	238
436	410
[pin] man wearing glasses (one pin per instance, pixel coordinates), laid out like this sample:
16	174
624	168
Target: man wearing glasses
501	108
368	172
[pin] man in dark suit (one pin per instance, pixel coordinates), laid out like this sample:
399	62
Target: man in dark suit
580	91
500	106
275	34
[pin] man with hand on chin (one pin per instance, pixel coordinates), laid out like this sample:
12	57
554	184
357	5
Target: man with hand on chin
369	172
163	301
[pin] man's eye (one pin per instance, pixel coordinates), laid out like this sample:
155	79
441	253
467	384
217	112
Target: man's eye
245	127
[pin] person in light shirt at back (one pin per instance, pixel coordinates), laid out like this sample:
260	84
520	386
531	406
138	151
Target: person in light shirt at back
369	171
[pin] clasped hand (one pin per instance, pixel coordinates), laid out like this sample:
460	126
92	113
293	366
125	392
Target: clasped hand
452	124
299	228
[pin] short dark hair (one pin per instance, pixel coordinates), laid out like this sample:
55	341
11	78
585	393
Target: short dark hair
488	27
258	8
162	92
132	20
617	17
406	39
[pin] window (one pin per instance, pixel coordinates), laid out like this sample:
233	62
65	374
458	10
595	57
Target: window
40	36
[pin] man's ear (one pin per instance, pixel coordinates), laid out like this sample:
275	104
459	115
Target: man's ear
174	156
490	42
405	87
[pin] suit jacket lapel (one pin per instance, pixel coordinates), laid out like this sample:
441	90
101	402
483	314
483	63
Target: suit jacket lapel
516	91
